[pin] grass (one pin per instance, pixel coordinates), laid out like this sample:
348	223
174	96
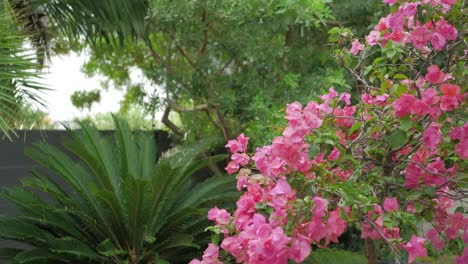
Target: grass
334	256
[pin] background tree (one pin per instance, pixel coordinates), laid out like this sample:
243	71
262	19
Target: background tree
222	63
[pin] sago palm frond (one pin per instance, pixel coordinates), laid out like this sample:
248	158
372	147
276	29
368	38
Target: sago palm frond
113	201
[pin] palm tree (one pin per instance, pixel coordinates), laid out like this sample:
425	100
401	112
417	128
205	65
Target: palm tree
19	75
113	201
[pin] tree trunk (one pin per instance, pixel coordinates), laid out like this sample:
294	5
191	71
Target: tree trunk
370	251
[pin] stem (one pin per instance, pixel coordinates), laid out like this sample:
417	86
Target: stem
370	251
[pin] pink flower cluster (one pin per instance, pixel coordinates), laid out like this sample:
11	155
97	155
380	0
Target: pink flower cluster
262	239
401	27
461	134
415	248
239	158
373	228
210	256
286	206
432	102
432	173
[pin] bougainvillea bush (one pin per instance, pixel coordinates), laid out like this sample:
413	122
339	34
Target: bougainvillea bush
391	161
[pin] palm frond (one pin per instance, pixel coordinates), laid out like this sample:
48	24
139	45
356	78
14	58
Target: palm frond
111	21
19	75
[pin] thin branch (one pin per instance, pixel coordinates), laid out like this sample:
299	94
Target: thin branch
223	124
169	124
424	168
174	106
153	52
204	44
392	246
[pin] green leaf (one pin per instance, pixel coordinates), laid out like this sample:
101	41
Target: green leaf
400	76
9	253
39	255
107	248
72	246
406	123
354	128
399	89
215	238
397	138
394	8
313	151
334	34
460	209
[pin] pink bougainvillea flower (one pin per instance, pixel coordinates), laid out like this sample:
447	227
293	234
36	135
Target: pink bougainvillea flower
432	136
446	30
410	9
413	175
373	37
356	47
415	248
463	259
461	134
389	2
403	105
269	245
457	223
430	96
450	99
398	37
238	145
448	2
395	21
345	97
240	158
335	154
329	96
367	98
450	89
381	26
434	236
381	100
210	256
300	248
321	206
434	75
281	187
335	226
438	41
410	208
220	216
420	36
316	229
390	204
232	167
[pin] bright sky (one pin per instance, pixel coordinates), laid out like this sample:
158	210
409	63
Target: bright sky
65	77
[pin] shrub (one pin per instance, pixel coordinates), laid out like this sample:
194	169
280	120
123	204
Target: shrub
388	161
112	201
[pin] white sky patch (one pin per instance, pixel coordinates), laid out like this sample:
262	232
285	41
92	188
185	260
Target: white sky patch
64	77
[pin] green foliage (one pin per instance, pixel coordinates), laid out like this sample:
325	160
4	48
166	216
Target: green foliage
85	99
239	58
19	76
331	256
136	117
119	203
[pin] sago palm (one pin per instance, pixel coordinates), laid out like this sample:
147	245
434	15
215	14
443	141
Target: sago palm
111	200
